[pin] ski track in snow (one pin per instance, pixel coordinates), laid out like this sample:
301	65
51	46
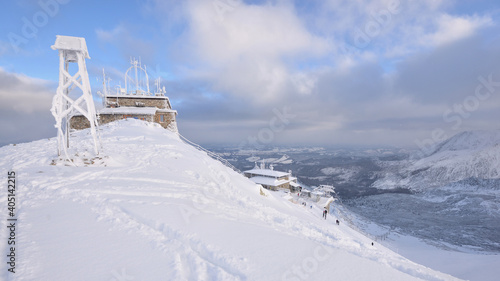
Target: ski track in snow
195	257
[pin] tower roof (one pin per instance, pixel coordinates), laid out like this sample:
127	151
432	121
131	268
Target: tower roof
71	43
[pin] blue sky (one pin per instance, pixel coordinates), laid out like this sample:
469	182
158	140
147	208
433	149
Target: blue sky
335	72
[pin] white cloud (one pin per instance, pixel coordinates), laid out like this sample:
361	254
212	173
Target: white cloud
24	94
393	29
25	108
111	35
452	28
124	37
246	49
305	83
263	55
248	30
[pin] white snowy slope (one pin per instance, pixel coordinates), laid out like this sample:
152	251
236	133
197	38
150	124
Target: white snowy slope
439	255
472	154
154	208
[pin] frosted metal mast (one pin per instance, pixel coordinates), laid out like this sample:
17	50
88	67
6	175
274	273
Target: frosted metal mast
136	79
72	50
105	91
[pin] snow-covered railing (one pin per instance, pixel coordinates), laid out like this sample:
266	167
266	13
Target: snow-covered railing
213	155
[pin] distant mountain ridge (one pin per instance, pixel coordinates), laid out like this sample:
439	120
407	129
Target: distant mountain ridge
470	140
470	154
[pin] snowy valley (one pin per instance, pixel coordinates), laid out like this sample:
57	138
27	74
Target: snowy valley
151	207
455	193
448	201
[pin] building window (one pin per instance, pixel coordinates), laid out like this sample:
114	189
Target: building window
131	116
162	118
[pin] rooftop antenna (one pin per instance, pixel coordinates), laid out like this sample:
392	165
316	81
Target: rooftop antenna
147	79
137	79
105	83
159	91
105	90
72	50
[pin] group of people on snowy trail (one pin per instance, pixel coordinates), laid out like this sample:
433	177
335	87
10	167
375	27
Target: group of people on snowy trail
325	212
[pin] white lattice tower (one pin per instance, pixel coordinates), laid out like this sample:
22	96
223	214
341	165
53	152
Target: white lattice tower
72	50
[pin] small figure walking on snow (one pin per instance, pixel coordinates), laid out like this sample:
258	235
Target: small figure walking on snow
337	221
324	214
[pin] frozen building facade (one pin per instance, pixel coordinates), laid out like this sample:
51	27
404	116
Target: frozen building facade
134	101
271	179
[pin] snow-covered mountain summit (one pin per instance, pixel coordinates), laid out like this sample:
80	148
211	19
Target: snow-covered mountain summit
466	155
470	140
153	208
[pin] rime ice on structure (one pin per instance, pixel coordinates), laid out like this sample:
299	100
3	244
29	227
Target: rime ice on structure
271	179
134	101
72	50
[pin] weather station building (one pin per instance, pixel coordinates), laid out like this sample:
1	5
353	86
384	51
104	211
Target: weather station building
271	179
134	101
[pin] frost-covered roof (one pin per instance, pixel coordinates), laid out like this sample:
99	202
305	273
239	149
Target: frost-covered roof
268	181
137	97
129	110
325	188
71	43
164	110
267	172
133	110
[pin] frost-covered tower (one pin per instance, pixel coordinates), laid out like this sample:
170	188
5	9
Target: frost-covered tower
67	102
134	101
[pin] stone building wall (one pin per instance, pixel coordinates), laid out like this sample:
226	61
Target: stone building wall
79	122
168	119
285	185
